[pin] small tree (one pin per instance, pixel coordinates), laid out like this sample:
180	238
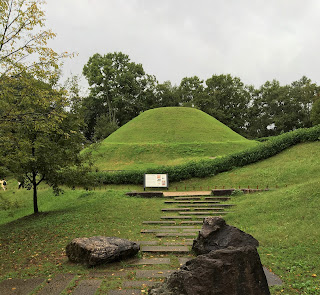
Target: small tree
38	147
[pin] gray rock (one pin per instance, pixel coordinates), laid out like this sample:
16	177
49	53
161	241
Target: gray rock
216	234
99	250
236	271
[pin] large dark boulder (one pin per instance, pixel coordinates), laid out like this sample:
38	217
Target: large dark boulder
216	234
99	250
231	271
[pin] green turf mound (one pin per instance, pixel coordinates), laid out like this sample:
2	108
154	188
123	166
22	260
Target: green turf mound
167	136
173	125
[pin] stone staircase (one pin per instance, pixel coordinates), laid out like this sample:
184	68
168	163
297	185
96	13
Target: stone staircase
167	247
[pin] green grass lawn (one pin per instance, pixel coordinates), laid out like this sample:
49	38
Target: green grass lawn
166	136
284	220
34	245
173	125
131	156
298	164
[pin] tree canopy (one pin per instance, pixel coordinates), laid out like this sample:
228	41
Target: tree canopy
38	136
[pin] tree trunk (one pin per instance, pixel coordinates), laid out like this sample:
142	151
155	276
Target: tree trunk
35	195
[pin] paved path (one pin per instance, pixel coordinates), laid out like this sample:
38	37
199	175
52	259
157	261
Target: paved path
166	247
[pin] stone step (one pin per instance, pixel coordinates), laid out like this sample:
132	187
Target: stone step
147	242
165	249
135	284
125	292
218	198
179	227
176	217
183	243
141	284
187	198
87	287
191	202
156	230
192	222
187	194
175	209
56	285
202	213
205	202
191	230
19	286
113	274
206	205
207	208
211	215
162	230
158	222
185	234
149	261
153	273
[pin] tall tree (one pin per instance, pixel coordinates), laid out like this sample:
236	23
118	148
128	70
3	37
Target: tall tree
227	100
118	87
303	93
315	112
191	90
167	95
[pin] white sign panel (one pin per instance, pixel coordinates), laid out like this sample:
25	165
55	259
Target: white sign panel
156	180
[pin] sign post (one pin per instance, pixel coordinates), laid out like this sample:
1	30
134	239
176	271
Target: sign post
156	180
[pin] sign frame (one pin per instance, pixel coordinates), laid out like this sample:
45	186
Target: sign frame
160	180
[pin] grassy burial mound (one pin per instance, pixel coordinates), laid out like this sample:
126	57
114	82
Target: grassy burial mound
167	136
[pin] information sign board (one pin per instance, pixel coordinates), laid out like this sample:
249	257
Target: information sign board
156	180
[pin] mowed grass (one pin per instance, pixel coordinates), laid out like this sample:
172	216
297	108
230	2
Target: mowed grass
286	224
35	244
297	164
284	220
131	156
174	125
166	136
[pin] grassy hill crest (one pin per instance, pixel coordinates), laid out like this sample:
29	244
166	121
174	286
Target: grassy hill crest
173	125
167	136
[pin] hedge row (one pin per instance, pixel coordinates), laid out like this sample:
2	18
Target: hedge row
210	167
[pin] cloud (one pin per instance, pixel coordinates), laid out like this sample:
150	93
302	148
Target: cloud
254	40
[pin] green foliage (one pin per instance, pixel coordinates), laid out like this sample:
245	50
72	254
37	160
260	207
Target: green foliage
104	127
23	41
210	167
226	99
38	137
276	109
297	164
315	113
237	192
119	90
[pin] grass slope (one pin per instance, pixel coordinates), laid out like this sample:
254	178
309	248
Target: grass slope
174	125
284	220
167	136
297	164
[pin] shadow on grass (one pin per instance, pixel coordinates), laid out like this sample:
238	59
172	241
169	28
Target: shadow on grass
36	217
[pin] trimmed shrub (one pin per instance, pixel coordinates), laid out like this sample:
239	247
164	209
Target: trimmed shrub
209	167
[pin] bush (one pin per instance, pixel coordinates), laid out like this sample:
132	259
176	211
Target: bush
209	167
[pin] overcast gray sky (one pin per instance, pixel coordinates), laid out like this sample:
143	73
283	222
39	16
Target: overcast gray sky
256	40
